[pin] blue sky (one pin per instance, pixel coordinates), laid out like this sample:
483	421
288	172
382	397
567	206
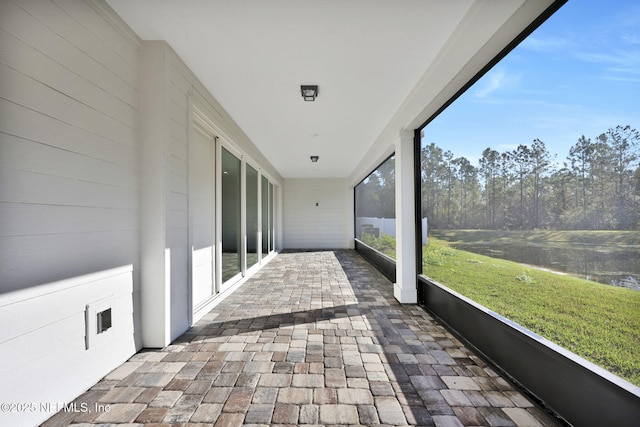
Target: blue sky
578	73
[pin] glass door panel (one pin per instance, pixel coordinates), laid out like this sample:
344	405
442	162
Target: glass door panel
271	232
252	216
265	216
230	215
201	207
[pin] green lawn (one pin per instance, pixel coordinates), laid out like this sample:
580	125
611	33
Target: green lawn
601	323
596	237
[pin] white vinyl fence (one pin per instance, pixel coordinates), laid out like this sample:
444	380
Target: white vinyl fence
379	226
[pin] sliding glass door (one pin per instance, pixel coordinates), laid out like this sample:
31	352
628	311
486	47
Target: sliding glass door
252	215
268	231
231	194
202	212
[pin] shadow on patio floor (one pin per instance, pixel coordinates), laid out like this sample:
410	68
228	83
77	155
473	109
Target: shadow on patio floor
314	337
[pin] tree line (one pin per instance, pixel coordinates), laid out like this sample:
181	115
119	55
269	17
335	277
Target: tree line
597	187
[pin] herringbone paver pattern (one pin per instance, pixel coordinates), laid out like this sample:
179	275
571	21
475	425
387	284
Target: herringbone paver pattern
314	338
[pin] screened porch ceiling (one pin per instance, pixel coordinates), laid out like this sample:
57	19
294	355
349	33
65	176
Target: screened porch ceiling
380	65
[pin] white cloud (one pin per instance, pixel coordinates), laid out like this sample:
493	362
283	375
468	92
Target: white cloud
544	44
617	65
495	80
631	38
621	58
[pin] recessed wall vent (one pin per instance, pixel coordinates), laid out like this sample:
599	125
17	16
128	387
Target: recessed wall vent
103	321
98	319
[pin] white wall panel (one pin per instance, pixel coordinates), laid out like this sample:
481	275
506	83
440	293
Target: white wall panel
41	158
23	122
177	201
68	28
177	90
69	198
20	219
113	33
323	226
46	361
26	59
18	22
36	188
177	149
177	128
155	256
35	260
180	319
28	92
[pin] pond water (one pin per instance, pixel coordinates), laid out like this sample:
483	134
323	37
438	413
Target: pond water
612	265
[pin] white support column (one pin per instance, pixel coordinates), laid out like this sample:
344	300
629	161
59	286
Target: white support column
155	292
404	290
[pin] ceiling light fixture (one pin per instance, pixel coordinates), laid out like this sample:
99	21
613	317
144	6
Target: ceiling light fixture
314	159
309	92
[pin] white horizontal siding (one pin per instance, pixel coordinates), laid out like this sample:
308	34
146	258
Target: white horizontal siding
177	126
104	30
178	89
25	123
68	28
35	260
28	92
44	365
21	154
309	226
37	188
58	77
177	219
21	24
20	311
69	198
21	219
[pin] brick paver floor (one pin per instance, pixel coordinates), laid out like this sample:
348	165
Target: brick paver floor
313	338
